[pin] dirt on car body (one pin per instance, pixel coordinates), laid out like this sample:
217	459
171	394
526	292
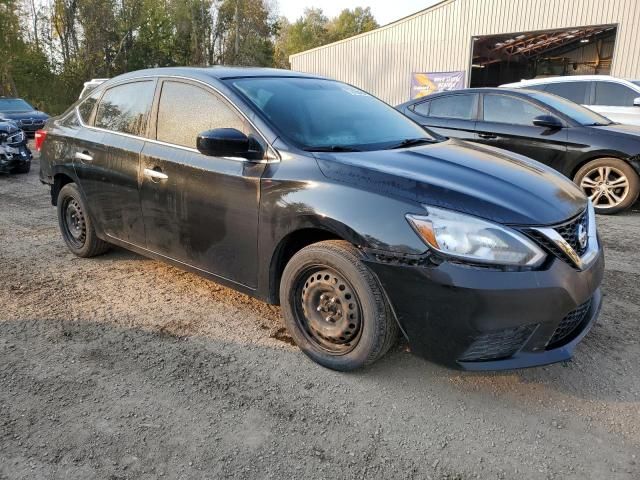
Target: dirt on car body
123	367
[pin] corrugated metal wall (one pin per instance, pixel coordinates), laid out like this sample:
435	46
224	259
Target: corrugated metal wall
439	39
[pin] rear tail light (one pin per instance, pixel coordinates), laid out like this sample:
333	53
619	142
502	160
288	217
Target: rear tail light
40	136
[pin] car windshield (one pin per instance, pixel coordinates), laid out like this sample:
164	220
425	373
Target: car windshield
326	115
14	105
576	112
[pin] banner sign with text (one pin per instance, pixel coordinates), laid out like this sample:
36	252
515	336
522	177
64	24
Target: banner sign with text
423	84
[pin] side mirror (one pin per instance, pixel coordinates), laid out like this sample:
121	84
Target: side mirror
223	142
636	102
547	121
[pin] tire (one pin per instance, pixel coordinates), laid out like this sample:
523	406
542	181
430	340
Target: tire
24	168
76	225
598	178
334	308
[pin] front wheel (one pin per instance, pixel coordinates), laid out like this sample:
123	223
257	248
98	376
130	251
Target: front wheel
611	184
334	308
76	225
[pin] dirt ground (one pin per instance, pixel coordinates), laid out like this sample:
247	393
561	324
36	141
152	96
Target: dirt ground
123	367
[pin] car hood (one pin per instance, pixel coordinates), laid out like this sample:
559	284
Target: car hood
476	179
8	128
35	114
620	129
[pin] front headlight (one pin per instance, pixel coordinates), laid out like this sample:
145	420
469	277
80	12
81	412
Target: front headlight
17	137
474	239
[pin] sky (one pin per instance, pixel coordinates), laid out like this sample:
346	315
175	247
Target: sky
385	11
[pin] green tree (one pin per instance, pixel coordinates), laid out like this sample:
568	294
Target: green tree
314	29
350	23
245	29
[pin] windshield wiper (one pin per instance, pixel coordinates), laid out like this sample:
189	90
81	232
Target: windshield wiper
410	142
331	148
599	124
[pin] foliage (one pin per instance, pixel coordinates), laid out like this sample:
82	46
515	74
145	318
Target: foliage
314	29
49	49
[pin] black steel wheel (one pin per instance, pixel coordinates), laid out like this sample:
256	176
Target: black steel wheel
329	310
334	308
75	224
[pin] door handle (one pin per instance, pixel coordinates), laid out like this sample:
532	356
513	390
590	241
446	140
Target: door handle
156	174
487	135
84	156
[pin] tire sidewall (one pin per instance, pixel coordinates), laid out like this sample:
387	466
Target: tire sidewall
630	173
70	190
372	307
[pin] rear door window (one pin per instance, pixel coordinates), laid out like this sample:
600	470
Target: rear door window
574	91
186	110
511	110
125	108
461	107
614	95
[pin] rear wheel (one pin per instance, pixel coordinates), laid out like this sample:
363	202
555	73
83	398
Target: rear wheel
611	184
75	224
334	308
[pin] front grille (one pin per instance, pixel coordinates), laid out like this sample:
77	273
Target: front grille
497	345
568	325
569	231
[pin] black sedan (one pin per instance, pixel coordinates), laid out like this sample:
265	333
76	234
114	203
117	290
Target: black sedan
24	115
602	157
310	193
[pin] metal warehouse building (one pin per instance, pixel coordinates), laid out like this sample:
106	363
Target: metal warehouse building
484	43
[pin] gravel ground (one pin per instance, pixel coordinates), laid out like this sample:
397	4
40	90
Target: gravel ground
122	367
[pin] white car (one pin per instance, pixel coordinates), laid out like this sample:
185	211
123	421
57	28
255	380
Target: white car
615	98
90	85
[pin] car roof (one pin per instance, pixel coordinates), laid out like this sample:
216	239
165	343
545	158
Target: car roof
566	78
521	92
217	72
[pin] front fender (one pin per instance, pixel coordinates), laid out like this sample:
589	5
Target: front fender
366	219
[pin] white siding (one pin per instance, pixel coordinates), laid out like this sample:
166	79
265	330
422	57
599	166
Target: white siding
439	39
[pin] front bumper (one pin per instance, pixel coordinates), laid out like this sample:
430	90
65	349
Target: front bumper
10	162
483	319
30	129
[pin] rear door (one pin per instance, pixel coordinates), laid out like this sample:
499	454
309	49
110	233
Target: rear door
198	209
451	115
615	101
107	159
506	121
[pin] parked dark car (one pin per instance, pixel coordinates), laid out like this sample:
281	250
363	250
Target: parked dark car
310	193
602	157
15	157
27	117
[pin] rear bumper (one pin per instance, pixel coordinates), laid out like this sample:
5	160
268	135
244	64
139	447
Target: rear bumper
481	319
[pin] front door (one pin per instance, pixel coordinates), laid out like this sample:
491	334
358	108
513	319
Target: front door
199	210
507	122
616	102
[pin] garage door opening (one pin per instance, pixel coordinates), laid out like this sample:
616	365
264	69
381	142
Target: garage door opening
499	59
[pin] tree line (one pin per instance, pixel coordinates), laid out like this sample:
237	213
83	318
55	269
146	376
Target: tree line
49	48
